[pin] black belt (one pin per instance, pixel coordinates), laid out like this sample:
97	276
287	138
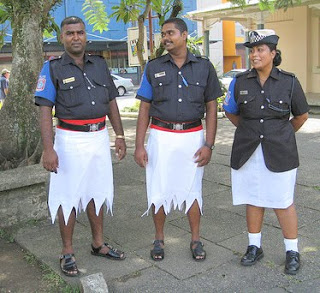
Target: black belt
85	128
176	126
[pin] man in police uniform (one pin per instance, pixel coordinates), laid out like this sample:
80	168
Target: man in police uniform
83	93
175	91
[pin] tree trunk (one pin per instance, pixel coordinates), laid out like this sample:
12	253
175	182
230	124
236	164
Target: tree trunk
140	42
19	129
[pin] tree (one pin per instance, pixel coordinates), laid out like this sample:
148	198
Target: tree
269	4
19	133
128	10
20	142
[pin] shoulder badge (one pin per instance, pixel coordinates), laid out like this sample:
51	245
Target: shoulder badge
202	57
242	73
156	58
52	58
286	72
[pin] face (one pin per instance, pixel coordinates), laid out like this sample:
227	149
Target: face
261	57
74	38
172	39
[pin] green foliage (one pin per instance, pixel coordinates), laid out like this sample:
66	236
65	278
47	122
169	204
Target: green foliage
51	28
161	7
133	108
127	10
269	4
193	44
95	13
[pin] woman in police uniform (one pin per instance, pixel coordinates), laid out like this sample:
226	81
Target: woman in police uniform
264	157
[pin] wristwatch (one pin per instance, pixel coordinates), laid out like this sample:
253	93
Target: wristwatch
211	147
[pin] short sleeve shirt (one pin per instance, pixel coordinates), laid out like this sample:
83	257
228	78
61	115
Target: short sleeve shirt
4	83
76	93
265	118
179	94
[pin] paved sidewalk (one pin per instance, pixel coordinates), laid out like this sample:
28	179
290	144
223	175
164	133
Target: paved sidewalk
223	231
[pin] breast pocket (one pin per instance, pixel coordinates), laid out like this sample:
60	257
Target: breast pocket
248	105
161	89
102	91
280	106
196	90
69	94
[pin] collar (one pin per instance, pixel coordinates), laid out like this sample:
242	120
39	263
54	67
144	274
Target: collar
274	73
190	58
66	59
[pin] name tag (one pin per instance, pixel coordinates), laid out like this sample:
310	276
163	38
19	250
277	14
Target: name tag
159	74
243	92
67	80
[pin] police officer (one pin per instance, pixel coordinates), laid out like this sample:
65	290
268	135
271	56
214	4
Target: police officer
264	157
83	93
176	90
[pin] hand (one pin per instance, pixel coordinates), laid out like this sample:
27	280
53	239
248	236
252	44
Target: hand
50	160
121	148
141	157
203	156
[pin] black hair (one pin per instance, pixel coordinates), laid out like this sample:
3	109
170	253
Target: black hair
178	22
71	20
277	59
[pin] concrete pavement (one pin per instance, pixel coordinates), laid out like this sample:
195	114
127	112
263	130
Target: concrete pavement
223	231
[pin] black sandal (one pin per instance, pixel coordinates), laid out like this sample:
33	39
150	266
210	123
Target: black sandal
157	253
198	253
113	253
68	265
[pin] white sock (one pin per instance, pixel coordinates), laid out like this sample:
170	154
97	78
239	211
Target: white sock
255	239
291	244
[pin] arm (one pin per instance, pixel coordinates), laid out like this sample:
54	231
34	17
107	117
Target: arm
203	155
50	159
233	118
298	121
115	120
140	154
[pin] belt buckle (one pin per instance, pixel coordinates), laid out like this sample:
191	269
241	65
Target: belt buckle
178	126
94	127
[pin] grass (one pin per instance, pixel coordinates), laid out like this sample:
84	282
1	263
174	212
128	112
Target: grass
134	108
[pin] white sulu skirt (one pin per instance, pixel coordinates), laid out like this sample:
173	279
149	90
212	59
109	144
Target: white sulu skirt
84	173
255	185
173	178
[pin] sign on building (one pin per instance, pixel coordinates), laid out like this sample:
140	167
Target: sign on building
133	35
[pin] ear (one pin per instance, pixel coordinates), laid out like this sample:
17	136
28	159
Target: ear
273	53
185	35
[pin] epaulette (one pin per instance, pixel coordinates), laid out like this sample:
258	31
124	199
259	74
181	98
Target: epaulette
286	72
156	58
93	55
52	58
202	57
243	73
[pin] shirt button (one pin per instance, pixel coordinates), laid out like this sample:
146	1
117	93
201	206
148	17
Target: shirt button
84	74
179	72
197	83
245	102
280	102
71	87
261	136
160	83
179	86
262	92
180	100
261	120
93	102
262	107
89	88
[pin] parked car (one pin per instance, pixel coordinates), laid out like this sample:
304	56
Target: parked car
122	84
228	76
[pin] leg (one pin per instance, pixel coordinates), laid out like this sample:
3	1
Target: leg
289	224
66	231
254	217
159	218
99	248
196	246
288	221
194	221
67	259
254	251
